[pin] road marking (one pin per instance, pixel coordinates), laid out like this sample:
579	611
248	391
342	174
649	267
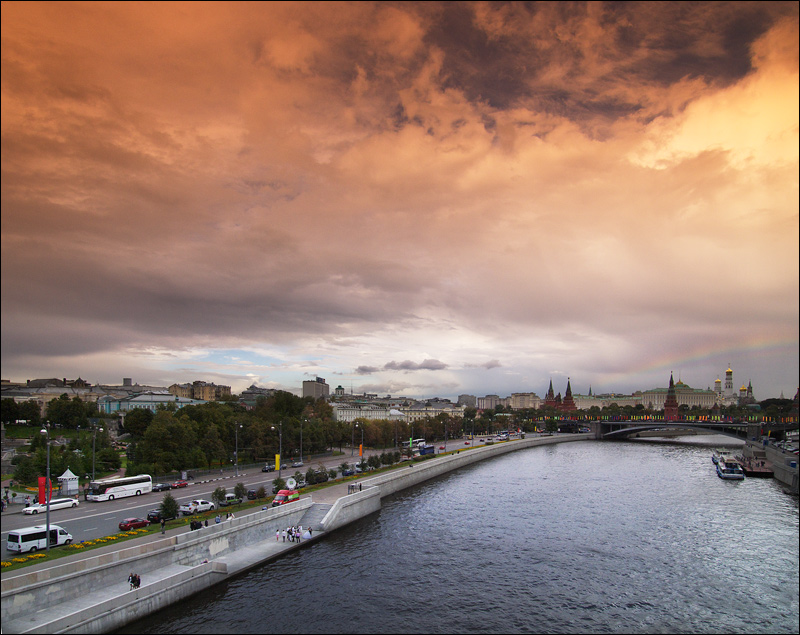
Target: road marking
90	529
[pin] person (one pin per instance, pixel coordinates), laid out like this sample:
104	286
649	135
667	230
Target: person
136	581
130	580
206	523
217	519
284	535
309	531
163	526
232	516
277	535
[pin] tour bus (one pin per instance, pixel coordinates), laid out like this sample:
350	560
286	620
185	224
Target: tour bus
111	488
33	538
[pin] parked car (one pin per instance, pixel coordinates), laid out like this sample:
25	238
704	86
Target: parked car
133	523
251	494
269	467
196	506
230	499
180	483
348	472
154	516
160	487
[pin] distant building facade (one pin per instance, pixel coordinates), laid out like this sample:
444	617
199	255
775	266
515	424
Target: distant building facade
316	389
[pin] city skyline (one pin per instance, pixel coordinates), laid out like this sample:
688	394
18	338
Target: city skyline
416	199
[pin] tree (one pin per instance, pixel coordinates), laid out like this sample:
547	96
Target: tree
137	421
25	471
277	485
240	491
261	492
169	506
218	496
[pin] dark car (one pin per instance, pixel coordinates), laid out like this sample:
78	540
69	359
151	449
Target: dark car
179	484
251	494
154	516
133	523
348	472
160	487
268	468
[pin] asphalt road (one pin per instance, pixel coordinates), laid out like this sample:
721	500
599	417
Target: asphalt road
94	520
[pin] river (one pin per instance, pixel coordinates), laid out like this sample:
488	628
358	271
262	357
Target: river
585	537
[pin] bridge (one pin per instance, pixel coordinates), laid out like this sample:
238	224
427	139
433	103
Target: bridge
742	430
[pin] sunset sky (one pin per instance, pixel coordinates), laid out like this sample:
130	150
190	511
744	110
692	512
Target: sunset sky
420	199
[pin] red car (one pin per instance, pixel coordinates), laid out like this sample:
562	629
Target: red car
133	523
441	447
178	484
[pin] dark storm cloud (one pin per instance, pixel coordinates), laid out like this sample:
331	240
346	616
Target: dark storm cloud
554	56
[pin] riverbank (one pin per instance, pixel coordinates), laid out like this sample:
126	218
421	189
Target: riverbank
90	594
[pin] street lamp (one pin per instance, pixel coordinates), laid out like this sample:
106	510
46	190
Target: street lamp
301	439
236	451
280	447
94	438
46	434
353	440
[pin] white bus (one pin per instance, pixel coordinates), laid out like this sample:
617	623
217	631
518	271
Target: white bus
111	488
33	538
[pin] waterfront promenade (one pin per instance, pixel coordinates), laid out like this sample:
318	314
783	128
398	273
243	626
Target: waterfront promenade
89	592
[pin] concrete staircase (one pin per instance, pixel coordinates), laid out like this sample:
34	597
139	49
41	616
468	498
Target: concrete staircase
314	515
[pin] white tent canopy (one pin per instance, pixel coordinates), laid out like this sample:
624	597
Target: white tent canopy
68	482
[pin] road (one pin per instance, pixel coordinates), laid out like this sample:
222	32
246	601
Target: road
94	520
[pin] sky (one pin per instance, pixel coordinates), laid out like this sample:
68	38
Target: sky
410	199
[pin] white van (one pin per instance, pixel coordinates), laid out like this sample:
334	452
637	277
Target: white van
33	538
55	503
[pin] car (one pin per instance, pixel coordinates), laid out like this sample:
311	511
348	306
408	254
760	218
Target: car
251	494
441	447
297	464
55	503
466	442
154	516
133	523
179	483
268	468
160	487
196	507
348	472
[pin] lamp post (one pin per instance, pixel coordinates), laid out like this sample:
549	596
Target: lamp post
280	447
236	451
46	433
94	438
301	439
353	440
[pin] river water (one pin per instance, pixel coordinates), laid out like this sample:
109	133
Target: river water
584	537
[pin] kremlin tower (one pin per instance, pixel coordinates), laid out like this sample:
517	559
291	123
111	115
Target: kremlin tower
671	404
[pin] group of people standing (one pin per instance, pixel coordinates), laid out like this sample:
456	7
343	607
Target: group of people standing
294	534
134	580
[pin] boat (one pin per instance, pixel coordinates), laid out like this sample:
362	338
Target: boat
719	454
730	470
755	467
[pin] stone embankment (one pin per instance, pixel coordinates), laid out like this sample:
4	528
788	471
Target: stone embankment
89	593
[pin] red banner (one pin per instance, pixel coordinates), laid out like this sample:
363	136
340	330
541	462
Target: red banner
42	487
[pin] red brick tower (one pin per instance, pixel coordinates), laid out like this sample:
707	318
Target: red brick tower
671	404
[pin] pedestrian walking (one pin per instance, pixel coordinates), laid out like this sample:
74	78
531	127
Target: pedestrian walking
277	535
130	580
284	535
163	526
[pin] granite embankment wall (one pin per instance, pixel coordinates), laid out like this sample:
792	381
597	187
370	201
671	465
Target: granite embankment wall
175	566
180	565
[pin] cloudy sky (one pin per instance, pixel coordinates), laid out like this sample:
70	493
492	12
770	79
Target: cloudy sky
404	198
